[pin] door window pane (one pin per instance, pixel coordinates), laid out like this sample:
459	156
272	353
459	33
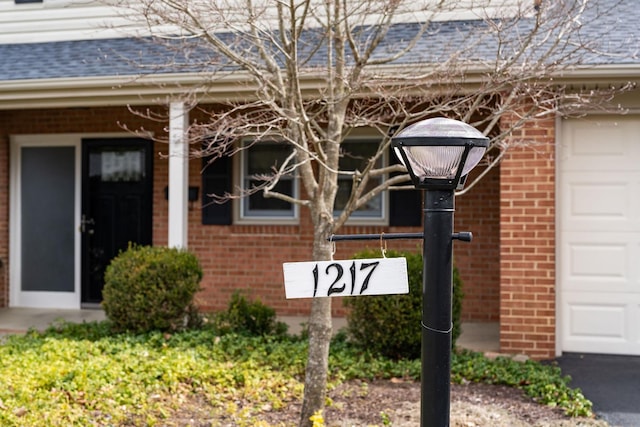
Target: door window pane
117	165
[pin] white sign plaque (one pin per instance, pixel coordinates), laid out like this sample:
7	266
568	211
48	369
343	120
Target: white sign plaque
313	279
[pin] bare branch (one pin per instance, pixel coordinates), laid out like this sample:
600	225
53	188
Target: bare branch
313	73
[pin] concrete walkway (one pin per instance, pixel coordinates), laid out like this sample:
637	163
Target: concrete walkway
475	336
20	320
484	337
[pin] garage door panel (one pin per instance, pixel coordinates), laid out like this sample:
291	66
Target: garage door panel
601	143
592	202
599	235
600	261
599	322
600	200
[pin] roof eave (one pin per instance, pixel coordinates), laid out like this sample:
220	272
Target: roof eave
115	90
599	73
161	88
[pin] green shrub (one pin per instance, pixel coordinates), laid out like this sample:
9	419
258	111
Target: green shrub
249	318
390	324
151	288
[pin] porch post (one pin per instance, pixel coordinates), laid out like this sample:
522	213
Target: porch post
178	175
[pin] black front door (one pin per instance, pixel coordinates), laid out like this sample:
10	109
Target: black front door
116	205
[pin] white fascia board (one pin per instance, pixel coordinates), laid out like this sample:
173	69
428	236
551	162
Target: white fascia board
144	90
106	91
129	90
600	72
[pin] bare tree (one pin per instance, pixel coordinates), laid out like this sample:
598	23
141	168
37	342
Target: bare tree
312	72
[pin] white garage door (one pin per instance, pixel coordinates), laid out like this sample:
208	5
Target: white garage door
599	235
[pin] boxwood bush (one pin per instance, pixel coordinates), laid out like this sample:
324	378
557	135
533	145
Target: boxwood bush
248	318
390	324
151	288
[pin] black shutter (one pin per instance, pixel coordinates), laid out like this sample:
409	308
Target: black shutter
405	206
216	179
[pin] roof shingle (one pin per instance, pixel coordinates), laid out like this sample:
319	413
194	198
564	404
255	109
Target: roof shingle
615	31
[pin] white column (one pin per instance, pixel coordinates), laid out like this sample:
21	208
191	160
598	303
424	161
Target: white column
178	175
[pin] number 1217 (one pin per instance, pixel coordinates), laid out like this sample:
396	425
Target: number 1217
335	273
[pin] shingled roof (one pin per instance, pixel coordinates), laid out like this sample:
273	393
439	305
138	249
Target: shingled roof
616	33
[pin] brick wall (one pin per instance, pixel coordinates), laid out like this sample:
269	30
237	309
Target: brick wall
250	257
527	243
478	262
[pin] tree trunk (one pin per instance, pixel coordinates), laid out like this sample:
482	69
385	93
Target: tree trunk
315	383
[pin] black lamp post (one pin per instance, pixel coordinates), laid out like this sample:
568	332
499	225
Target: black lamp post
438	154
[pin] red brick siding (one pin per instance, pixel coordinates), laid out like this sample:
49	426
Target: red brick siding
527	243
250	257
479	261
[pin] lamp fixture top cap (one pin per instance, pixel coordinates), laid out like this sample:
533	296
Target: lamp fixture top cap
441	127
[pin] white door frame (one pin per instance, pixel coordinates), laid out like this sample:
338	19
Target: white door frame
39	299
42	299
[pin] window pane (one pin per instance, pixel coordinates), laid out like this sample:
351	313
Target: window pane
257	204
117	164
262	159
373	208
355	155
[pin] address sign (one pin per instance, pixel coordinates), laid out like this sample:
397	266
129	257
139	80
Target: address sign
378	276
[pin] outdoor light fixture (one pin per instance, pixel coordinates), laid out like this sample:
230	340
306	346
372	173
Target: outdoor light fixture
438	154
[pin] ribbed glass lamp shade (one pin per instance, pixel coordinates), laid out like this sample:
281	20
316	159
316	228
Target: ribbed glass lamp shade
437	147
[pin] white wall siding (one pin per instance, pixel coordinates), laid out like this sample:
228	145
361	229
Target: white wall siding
58	20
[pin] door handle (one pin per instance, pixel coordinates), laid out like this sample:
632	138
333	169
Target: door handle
84	223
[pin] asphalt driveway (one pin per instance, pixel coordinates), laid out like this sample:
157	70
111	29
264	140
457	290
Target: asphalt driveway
612	383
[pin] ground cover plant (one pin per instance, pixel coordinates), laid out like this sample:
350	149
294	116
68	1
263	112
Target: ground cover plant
80	375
